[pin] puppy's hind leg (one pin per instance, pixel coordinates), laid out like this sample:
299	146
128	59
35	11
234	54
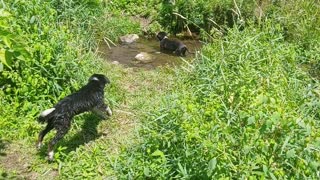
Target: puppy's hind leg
61	132
109	112
183	51
48	128
178	52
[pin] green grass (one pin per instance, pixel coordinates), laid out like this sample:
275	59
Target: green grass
48	53
243	109
91	147
247	107
101	155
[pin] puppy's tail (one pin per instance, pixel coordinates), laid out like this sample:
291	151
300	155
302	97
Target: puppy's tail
45	115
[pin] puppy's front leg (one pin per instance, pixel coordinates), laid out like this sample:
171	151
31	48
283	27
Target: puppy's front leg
102	110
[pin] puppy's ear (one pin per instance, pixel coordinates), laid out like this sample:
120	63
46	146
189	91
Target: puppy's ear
100	78
106	80
93	78
159	37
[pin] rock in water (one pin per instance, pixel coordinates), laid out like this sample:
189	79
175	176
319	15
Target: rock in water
143	57
115	62
128	39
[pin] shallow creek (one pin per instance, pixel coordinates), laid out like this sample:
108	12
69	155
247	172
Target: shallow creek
124	53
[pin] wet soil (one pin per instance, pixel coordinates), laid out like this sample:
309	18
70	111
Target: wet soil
124	53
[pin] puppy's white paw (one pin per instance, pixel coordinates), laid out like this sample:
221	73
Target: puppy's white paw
38	146
50	156
109	112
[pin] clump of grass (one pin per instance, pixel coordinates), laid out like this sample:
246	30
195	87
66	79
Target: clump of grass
46	52
243	109
43	56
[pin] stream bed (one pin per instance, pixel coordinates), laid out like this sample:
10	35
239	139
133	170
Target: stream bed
124	54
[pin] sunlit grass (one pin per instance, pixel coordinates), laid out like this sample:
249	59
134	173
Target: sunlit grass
247	107
243	109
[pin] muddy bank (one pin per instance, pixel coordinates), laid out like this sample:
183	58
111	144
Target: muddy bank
124	53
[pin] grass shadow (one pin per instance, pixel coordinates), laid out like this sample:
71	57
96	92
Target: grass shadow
3	145
88	133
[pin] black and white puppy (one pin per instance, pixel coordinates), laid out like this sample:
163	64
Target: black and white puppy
171	45
89	98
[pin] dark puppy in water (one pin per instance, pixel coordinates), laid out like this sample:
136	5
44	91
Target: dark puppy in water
89	98
172	45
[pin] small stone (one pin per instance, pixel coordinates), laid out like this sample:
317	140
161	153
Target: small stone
144	57
115	62
128	39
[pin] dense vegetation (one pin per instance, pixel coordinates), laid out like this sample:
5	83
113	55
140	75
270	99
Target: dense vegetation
246	107
47	50
40	55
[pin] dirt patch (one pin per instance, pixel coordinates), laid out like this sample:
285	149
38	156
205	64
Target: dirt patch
19	163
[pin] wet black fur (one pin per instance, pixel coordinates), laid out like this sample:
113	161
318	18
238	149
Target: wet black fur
89	98
171	45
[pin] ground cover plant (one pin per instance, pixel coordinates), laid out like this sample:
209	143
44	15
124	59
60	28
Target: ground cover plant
247	107
47	50
40	57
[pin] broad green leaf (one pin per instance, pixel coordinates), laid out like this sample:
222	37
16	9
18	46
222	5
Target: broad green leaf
157	153
272	176
275	116
146	171
8	56
4	13
183	170
291	153
251	120
246	149
32	19
265	169
285	144
261	99
315	165
212	165
3	57
1	67
6	41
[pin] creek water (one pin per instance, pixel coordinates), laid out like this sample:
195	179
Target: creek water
124	53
